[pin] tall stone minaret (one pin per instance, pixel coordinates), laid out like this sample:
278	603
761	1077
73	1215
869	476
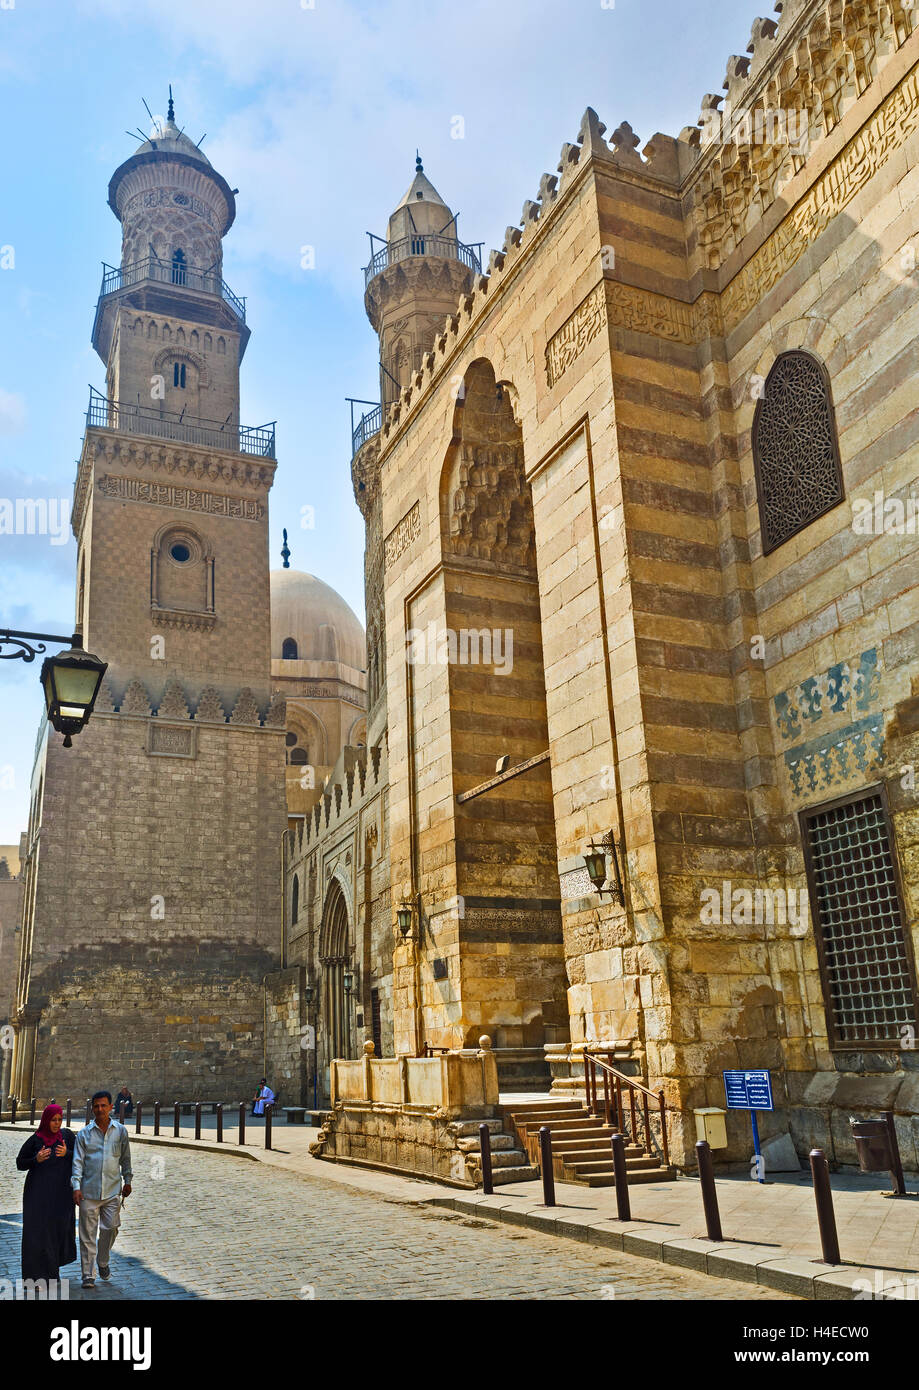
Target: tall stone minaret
154	847
415	281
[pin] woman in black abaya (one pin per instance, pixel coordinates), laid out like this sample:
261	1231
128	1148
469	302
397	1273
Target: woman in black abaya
46	1157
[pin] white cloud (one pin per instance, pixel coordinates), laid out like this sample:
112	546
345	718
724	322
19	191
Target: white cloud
12	412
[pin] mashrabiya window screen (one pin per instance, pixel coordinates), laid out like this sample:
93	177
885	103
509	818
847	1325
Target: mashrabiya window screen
867	977
795	449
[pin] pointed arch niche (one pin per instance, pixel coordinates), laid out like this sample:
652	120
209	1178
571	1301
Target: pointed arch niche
506	857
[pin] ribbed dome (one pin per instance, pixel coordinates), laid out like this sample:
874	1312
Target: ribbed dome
170	140
323	626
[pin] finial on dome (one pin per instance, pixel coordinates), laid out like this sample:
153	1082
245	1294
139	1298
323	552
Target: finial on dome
170	114
419	167
285	551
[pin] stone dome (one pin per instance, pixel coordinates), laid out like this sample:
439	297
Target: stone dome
170	140
313	615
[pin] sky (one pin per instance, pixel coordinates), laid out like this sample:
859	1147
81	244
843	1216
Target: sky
314	111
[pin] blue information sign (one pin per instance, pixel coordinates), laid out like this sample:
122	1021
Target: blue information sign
748	1090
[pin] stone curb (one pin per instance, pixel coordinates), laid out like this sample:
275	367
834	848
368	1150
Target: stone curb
749	1264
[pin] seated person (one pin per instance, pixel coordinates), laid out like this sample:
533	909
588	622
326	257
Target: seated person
264	1096
123	1095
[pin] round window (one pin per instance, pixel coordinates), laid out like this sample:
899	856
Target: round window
290	739
180	552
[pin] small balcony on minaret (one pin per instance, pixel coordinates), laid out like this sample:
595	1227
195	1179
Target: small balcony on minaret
167	287
131	417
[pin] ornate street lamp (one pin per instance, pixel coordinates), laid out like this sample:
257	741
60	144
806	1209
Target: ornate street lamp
70	680
404	918
597	872
348	979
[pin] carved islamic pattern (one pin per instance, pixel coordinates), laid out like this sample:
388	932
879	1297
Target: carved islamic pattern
402	535
492	513
795	453
572	338
190	499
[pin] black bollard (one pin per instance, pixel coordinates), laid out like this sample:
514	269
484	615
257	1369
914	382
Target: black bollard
242	1122
89	1110
12	1110
156	1117
488	1186
121	1112
897	1169
140	1106
32	1112
545	1166
621	1174
197	1119
826	1218
268	1110
175	1119
220	1124
67	1121
709	1192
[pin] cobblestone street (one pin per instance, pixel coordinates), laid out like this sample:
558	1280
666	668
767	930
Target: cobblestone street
202	1226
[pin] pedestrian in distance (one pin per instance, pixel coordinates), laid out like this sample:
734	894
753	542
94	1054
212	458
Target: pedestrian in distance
263	1096
46	1158
101	1162
124	1098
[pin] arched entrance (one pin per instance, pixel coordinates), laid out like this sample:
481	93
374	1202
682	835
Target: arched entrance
335	960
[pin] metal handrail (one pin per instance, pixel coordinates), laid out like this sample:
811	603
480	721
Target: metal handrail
369	424
422	244
612	1101
171	273
170	424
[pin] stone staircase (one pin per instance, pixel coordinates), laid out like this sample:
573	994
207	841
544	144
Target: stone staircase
581	1149
509	1162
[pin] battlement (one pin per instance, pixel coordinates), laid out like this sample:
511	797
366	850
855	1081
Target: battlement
172	703
359	773
803	73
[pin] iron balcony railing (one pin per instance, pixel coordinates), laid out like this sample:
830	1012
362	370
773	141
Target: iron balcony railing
170	424
423	244
369	424
170	273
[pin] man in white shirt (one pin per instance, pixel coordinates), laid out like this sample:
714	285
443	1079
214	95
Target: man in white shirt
101	1159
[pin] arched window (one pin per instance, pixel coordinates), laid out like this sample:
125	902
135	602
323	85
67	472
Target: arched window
178	267
795	449
289	650
178	375
300	757
295	900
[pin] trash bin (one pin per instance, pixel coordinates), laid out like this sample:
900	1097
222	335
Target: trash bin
872	1144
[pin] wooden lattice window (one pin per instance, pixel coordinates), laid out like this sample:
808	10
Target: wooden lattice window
865	961
795	448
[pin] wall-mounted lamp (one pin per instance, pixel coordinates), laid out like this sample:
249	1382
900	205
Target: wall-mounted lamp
404	918
348	980
597	870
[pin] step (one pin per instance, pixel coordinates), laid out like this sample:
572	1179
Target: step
586	1147
468	1128
508	1159
633	1165
643	1175
520	1174
547	1117
498	1142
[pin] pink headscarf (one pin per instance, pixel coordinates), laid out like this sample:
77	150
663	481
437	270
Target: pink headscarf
44	1131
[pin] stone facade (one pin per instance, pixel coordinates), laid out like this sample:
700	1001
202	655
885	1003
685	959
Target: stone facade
589	487
153	855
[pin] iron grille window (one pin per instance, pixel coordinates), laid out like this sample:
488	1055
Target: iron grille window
868	982
795	449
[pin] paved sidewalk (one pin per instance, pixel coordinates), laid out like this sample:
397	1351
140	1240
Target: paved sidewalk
770	1229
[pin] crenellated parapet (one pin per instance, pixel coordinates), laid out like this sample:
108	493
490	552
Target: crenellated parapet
799	76
361	774
175	703
798	79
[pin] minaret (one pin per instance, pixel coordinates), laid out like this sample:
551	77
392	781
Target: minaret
156	910
414	281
